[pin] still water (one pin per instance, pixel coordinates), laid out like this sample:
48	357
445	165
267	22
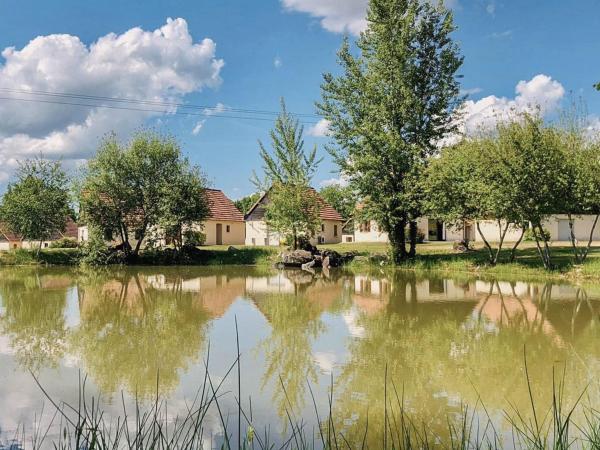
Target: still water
444	342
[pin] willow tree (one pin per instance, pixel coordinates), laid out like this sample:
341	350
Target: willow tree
391	106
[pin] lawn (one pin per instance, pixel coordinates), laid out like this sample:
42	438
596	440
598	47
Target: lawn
432	256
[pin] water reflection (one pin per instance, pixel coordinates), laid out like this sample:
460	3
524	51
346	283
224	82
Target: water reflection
443	342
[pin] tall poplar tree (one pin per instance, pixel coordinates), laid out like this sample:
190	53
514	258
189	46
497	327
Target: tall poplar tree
391	106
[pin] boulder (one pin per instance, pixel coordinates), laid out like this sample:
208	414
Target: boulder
231	248
461	246
296	258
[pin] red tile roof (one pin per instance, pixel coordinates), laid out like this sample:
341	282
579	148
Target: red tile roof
70	232
327	212
221	207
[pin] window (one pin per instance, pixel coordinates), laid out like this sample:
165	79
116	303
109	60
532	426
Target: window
253	241
322	227
45	245
227	228
266	241
365	226
335	230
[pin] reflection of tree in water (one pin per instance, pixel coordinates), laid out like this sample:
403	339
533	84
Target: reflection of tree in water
34	320
295	319
132	333
445	354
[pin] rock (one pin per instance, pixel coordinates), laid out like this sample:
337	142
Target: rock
308	266
379	258
326	263
296	258
461	246
333	257
231	248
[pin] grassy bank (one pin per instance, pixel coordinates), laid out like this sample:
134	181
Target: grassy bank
438	257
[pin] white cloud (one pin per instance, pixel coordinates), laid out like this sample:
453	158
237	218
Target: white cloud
218	108
339	16
320	129
540	92
341	181
277	62
198	127
491	8
161	66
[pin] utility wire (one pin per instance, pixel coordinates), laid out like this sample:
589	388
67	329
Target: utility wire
207	110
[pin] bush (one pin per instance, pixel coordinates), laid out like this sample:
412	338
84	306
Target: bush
193	238
529	236
64	243
95	252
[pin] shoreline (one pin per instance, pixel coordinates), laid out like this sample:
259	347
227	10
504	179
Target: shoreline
432	260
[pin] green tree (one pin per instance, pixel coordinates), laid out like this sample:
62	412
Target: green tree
146	183
581	172
36	205
293	207
532	153
343	200
470	183
245	203
390	108
293	211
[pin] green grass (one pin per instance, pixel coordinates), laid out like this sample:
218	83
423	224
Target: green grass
438	256
149	426
47	256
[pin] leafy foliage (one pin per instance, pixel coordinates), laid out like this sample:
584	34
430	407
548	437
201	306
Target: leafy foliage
293	208
391	106
146	183
245	203
36	205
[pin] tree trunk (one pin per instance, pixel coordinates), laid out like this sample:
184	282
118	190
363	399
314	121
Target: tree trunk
585	252
486	243
572	238
295	234
398	242
501	242
138	244
39	247
413	239
514	249
545	252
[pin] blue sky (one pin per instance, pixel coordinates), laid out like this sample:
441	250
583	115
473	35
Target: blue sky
260	51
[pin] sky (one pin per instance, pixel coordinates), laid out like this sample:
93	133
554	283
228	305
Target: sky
231	58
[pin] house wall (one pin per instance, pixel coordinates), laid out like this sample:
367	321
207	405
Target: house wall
374	235
582	227
235	236
4	246
257	233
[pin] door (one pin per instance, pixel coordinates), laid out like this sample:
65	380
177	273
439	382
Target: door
219	234
564	232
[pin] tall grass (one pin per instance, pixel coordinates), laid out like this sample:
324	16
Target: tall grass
85	425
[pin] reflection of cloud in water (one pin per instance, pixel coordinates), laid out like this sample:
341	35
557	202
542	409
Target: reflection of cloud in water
351	319
326	361
5	346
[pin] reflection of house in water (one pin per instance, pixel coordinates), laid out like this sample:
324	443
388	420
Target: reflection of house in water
558	311
215	293
372	294
275	284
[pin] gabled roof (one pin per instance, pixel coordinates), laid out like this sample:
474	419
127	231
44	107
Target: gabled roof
69	232
326	212
221	207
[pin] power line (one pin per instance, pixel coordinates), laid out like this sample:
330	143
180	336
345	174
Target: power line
207	109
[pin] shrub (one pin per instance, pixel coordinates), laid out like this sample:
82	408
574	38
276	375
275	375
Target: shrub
193	238
529	236
64	243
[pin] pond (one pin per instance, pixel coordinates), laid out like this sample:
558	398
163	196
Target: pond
444	343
